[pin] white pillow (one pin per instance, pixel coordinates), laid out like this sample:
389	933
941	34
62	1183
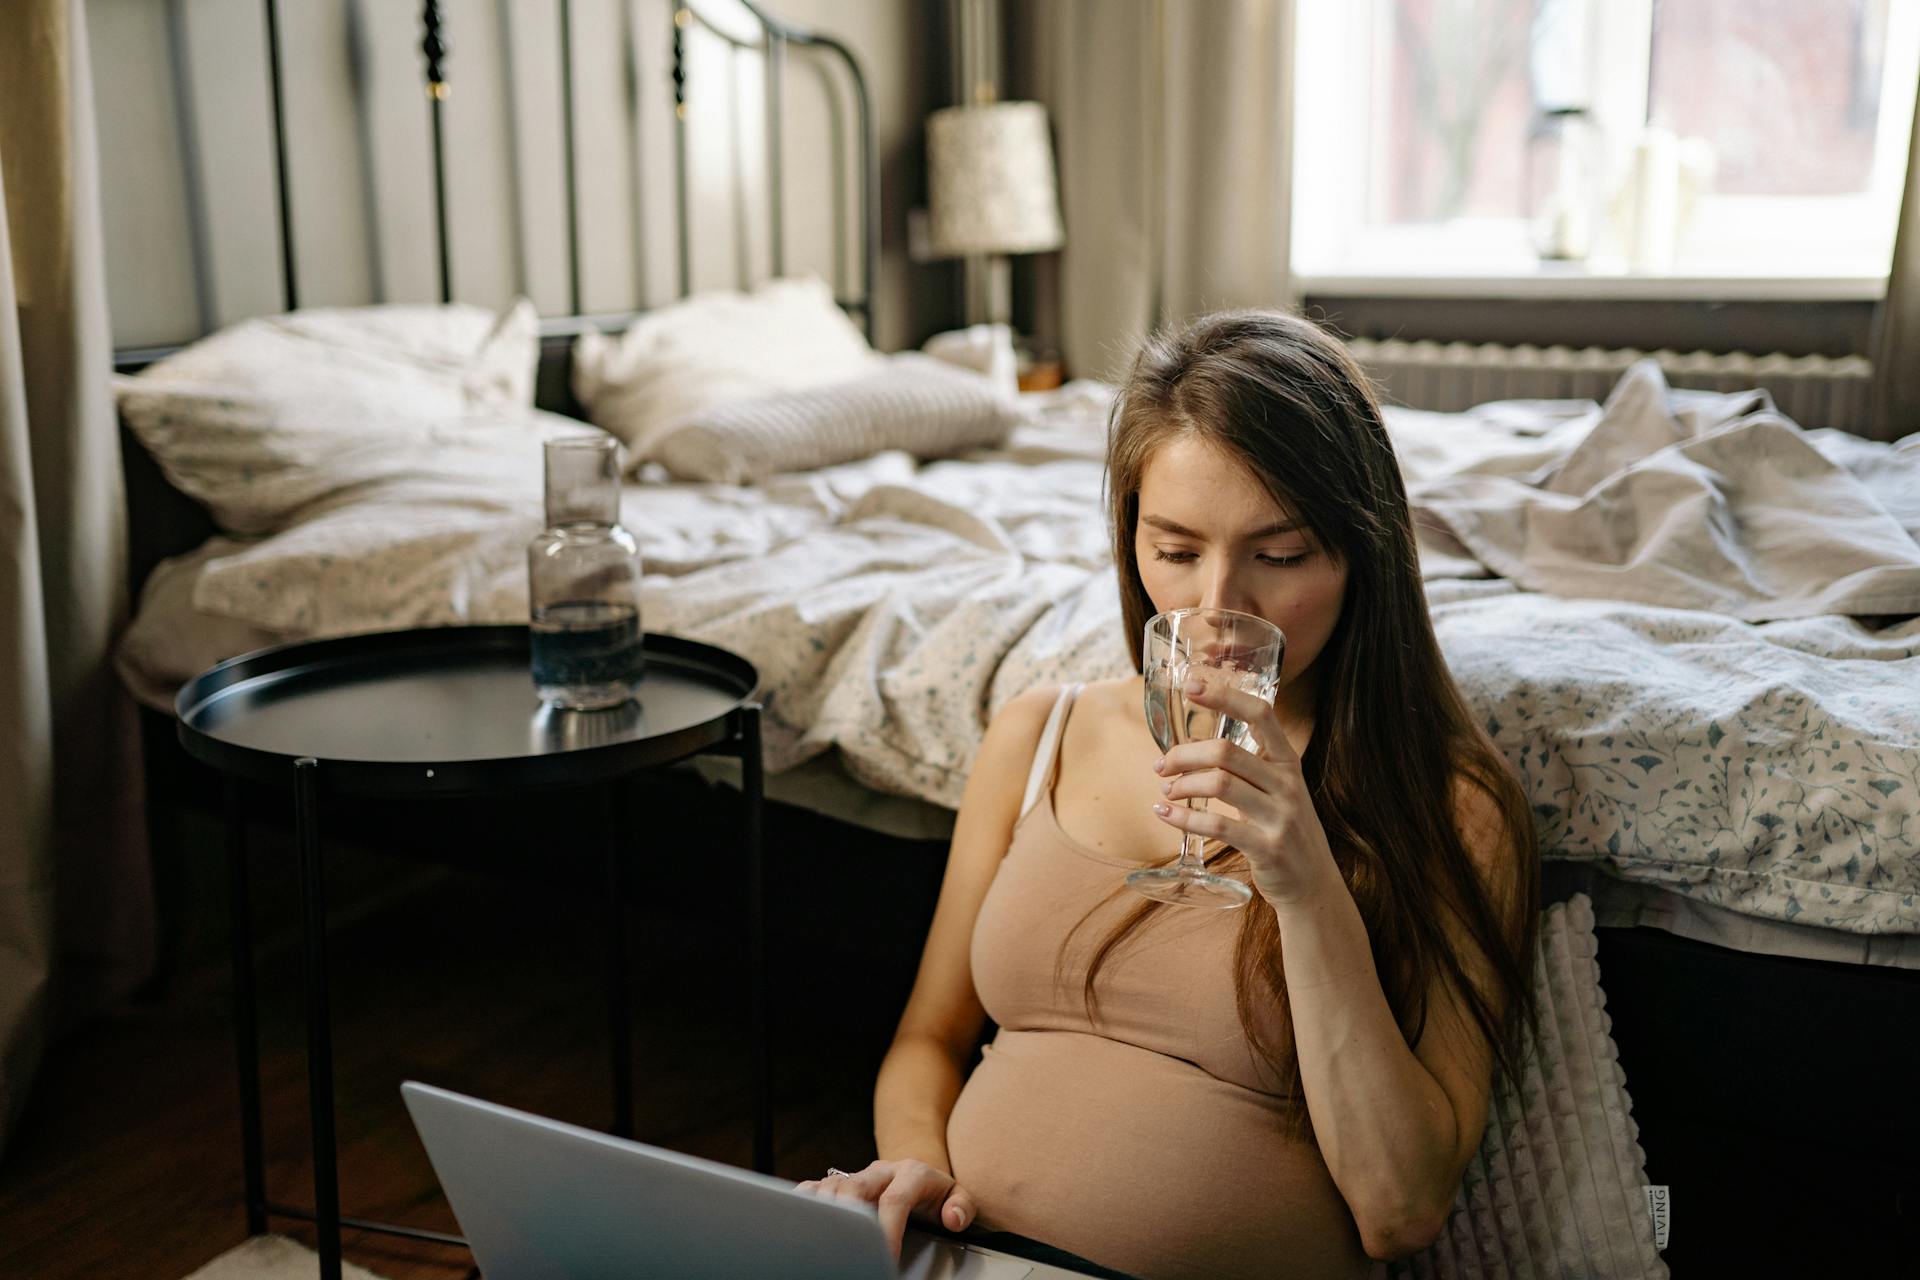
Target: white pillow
1558	1185
913	403
713	349
269	415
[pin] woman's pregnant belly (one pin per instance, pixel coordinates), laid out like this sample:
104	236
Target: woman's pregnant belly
1144	1163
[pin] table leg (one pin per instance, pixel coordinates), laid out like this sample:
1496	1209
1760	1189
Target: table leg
619	994
313	915
752	787
246	1036
165	855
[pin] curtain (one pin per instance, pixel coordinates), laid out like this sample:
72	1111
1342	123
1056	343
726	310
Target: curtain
69	782
1896	344
1173	125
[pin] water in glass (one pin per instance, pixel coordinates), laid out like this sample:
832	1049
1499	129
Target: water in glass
1219	646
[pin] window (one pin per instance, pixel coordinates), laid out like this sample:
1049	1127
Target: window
1747	147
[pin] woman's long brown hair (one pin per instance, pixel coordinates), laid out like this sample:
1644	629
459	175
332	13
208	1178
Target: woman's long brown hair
1393	743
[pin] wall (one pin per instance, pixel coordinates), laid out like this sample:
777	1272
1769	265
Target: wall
186	144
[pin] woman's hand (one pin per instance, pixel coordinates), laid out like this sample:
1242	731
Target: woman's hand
898	1188
1278	830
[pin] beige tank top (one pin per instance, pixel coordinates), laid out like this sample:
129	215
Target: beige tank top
1149	1139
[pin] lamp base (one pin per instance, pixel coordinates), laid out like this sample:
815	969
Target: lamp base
988	283
1036	369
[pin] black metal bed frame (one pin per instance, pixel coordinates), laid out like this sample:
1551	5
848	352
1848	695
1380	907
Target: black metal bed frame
163	522
776	38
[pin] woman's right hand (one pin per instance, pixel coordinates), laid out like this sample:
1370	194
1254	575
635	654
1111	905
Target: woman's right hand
899	1189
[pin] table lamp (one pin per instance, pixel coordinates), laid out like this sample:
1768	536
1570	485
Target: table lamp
991	192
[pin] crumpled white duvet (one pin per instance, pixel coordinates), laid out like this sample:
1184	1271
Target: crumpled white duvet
1693	500
889	607
1768	768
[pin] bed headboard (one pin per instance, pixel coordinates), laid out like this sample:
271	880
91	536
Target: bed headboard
163	522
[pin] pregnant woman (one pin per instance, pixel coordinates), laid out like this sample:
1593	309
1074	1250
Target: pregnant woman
1293	1087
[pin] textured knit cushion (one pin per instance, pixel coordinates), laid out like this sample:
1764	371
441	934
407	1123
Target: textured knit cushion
913	403
713	349
269	416
1556	1189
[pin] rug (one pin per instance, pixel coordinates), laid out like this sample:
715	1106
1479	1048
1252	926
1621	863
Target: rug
272	1258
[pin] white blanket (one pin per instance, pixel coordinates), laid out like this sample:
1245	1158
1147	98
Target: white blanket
1766	768
889	608
1691	501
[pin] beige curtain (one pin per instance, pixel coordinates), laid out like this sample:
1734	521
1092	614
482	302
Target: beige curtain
1896	344
1174	129
69	785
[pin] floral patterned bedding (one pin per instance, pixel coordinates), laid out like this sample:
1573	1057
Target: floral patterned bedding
1768	769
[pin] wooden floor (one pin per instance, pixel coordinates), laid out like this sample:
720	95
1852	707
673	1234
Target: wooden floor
127	1161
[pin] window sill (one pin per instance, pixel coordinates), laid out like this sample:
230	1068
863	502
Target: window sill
1573	283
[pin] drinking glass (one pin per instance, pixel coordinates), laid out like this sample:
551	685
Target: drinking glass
1218	646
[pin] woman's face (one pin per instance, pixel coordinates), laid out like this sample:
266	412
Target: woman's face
1209	535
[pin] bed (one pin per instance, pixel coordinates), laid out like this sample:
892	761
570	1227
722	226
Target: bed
1719	732
1742	767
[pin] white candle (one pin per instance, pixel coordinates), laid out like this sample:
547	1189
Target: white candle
1656	201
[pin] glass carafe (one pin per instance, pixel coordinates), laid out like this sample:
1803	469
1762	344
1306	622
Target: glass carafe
583	582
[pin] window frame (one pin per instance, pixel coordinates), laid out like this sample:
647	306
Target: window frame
1492	258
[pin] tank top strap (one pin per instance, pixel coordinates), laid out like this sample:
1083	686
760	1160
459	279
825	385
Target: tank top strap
1047	754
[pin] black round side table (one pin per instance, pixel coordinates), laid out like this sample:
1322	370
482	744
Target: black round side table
450	712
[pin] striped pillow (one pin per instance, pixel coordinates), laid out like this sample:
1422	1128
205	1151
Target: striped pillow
914	403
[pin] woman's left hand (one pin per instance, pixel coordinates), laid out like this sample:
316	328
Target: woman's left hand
1277	830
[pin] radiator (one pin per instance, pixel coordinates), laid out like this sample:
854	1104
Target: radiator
1815	391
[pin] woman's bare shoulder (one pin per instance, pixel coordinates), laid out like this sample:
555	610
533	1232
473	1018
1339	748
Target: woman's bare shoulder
1112	695
1108	724
1012	735
1031	708
1025	712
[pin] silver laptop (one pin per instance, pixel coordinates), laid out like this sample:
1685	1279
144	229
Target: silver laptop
541	1200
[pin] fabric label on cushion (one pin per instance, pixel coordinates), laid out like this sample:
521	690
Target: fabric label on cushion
1659	1210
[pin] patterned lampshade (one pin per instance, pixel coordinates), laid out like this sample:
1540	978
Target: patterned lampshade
990	180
